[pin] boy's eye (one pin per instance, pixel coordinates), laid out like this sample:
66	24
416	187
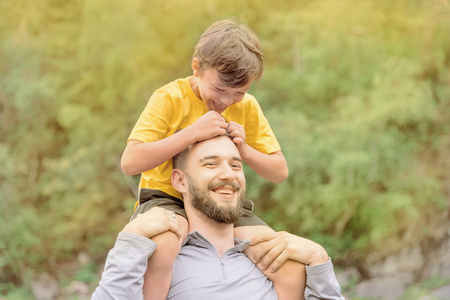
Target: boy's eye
219	90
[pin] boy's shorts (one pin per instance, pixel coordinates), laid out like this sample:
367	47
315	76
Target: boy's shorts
149	198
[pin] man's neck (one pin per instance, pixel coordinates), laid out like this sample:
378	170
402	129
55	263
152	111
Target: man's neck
221	236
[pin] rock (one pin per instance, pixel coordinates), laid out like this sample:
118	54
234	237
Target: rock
445	270
83	258
382	288
404	265
438	262
45	287
442	293
347	276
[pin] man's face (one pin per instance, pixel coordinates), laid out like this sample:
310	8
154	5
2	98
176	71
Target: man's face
215	94
216	180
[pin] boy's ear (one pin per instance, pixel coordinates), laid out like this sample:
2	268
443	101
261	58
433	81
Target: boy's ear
179	181
196	67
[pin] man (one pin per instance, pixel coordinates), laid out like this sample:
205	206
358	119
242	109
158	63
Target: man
211	264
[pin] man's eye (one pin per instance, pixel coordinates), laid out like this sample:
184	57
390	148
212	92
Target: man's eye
236	166
210	164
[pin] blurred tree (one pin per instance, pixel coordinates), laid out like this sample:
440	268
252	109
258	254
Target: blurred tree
356	91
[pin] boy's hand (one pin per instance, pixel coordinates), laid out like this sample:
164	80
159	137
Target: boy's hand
237	131
153	222
273	249
209	125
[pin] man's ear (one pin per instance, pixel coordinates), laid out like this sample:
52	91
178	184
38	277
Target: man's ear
195	67
179	181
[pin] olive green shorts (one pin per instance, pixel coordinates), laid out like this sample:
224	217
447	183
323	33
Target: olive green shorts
149	198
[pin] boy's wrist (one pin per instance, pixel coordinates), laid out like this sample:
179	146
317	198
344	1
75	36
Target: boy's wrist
319	257
189	135
243	150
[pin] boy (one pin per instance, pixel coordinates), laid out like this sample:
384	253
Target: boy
213	101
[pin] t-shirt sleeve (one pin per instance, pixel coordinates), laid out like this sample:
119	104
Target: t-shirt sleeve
321	283
258	132
123	276
154	122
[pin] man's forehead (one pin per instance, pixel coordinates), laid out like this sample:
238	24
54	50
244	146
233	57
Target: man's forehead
210	157
216	147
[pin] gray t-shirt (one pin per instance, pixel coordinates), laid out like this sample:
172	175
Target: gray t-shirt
199	273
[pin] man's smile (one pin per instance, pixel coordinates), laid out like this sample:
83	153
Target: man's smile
224	191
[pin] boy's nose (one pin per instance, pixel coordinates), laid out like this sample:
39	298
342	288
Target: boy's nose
226	101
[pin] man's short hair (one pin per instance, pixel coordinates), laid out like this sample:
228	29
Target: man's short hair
233	49
179	160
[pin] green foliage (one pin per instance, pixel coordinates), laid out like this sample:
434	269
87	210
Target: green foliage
18	294
356	91
434	282
425	288
357	103
88	273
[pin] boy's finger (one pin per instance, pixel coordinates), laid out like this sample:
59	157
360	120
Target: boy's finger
266	252
278	262
271	256
262	238
259	251
238	141
177	231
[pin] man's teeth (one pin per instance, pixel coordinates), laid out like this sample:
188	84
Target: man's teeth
224	191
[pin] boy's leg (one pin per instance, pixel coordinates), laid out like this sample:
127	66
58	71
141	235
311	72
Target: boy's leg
290	279
159	269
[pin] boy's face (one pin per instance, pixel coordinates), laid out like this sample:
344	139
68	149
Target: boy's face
216	95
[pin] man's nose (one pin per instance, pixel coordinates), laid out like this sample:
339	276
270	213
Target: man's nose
226	173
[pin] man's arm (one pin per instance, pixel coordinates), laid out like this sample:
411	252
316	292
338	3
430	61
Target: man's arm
321	282
126	264
273	249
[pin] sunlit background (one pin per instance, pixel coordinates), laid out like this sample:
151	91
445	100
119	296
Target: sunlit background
357	92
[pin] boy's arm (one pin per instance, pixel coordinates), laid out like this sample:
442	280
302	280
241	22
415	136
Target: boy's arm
272	166
139	157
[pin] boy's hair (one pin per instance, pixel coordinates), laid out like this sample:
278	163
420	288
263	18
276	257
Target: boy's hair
233	49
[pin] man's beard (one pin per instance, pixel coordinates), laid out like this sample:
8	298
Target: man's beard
203	202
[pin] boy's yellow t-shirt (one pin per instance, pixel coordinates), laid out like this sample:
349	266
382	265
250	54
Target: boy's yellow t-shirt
174	107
